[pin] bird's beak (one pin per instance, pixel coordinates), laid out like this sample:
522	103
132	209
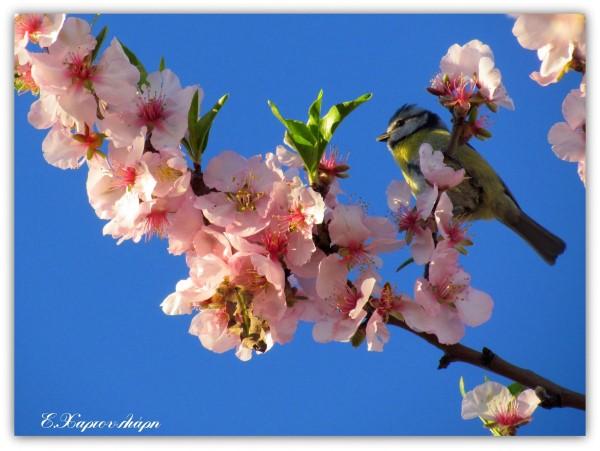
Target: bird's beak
383	137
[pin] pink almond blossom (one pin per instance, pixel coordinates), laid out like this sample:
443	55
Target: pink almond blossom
385	304
295	210
83	87
448	299
265	279
475	61
210	326
557	38
343	312
184	224
359	239
243	188
122	172
66	150
452	232
170	170
46	111
41	29
162	107
207	273
436	171
135	219
413	221
502	411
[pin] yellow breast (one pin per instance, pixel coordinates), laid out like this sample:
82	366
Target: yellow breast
406	154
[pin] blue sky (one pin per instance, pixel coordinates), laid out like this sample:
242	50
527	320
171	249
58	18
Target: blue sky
90	336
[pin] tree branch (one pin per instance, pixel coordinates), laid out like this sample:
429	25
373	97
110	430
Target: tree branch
551	394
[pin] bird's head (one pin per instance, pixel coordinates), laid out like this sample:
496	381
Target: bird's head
408	120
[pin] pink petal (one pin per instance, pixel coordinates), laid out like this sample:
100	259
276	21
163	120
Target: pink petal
422	246
573	109
447	327
377	333
269	304
79	103
425	297
398	195
208	240
299	249
221	169
527	402
347	225
116	79
476	308
289	158
180	302
436	171
567	144
74	35
311	268
426	200
366	289
443	214
444	264
211	328
184	224
272	270
332	276
61	150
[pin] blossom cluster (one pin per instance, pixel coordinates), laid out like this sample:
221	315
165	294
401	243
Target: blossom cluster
559	40
445	301
468	77
264	248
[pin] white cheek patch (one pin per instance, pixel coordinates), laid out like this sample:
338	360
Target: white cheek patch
410	126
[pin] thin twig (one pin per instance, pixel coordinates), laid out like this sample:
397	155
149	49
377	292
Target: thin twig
552	394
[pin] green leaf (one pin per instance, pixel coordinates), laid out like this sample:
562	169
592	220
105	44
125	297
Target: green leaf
276	113
300	133
99	40
187	146
300	138
405	264
311	138
201	129
162	66
337	113
298	130
193	111
515	388
314	114
133	59
461	386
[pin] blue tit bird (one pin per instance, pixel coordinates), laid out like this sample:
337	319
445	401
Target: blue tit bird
481	195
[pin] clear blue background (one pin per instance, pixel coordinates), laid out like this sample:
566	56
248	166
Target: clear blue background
90	336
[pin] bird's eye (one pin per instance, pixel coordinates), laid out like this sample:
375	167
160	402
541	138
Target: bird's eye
400	122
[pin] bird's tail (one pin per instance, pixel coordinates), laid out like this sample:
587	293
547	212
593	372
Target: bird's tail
545	243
